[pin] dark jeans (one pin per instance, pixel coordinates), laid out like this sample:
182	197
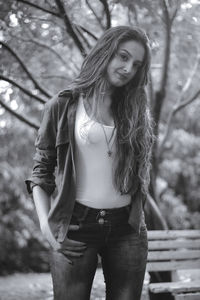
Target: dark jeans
123	254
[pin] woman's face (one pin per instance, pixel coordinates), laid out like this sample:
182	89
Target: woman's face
126	62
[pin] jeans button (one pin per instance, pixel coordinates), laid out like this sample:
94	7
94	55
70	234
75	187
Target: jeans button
101	221
102	213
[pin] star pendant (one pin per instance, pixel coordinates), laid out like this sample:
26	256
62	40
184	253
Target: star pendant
109	153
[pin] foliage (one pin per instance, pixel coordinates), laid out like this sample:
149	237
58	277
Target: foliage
21	247
176	212
179	181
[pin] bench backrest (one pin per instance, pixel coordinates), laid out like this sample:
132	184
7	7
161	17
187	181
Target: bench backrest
173	249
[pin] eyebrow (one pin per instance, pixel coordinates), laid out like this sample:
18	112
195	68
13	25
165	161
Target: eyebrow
138	61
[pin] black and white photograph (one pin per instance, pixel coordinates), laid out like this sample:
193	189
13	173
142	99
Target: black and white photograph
100	150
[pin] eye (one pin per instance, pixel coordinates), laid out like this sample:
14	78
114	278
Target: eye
123	57
137	65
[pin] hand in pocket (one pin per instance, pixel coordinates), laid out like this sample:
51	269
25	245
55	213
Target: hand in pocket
71	248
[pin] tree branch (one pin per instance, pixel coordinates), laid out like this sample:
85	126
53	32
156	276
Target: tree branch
185	103
27	92
171	116
94	13
69	27
38	43
18	116
37	85
107	11
40	7
160	94
157	212
87	31
132	9
167	49
57	14
174	14
78	30
49	48
173	113
55	76
180	105
63	27
190	79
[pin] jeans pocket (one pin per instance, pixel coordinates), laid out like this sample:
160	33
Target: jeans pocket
79	214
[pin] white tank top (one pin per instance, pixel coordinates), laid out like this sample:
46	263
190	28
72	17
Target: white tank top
94	168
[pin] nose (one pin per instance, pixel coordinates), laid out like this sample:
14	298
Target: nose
128	68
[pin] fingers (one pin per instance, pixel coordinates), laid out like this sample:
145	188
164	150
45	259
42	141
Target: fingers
73	248
69	253
74	227
77	249
74	243
69	261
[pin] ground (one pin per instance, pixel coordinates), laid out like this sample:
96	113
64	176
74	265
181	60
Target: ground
35	286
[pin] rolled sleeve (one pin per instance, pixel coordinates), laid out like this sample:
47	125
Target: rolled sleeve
45	156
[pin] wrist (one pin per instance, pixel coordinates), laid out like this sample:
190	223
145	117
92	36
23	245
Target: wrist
47	233
44	225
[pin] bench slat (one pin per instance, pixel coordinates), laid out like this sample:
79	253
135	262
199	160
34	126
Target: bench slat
187	296
172	234
171	250
173	265
194	244
173	254
175	287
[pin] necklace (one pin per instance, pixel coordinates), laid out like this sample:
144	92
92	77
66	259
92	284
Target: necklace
108	141
109	151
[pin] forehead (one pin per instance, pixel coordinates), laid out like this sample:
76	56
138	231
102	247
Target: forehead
134	48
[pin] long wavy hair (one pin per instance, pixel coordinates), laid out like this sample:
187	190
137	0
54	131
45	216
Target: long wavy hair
129	107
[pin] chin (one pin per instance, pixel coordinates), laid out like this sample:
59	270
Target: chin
117	83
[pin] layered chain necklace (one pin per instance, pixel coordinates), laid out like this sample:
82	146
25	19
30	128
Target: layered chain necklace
109	142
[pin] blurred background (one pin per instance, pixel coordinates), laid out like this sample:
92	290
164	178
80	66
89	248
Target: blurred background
42	46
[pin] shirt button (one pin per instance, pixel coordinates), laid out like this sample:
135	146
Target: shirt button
101	221
102	213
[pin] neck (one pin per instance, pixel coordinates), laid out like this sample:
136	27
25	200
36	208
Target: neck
107	101
107	97
102	112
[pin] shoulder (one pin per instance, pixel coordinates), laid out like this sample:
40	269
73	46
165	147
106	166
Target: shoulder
59	101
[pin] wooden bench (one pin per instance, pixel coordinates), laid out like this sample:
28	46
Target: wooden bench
173	250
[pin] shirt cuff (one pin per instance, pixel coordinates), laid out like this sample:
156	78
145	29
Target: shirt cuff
30	185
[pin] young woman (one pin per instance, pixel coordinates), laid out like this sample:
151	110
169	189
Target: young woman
98	136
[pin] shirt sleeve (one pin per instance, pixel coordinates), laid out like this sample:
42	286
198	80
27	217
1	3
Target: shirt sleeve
45	155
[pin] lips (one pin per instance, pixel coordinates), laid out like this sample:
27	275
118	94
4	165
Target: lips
122	76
